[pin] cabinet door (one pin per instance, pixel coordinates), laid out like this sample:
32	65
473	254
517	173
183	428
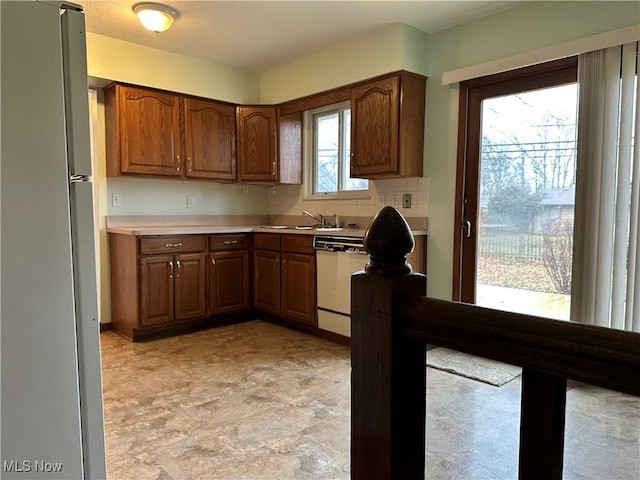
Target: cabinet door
190	286
229	282
210	139
374	127
149	131
156	290
257	144
299	287
266	281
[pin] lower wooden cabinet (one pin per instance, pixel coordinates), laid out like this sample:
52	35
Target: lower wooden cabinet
266	273
172	288
156	281
298	296
229	276
159	282
189	286
156	290
285	276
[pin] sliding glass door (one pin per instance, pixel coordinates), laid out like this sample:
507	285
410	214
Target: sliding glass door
516	190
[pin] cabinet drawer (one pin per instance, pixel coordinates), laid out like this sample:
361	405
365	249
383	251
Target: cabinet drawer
297	244
228	242
172	244
266	242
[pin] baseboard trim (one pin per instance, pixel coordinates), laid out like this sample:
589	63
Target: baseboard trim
105	327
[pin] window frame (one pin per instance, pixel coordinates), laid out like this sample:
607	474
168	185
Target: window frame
309	157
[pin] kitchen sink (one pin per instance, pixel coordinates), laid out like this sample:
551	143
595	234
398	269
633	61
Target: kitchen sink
303	227
290	227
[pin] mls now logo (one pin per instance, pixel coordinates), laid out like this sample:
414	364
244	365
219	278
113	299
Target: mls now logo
29	466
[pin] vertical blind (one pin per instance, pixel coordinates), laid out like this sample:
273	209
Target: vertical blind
606	260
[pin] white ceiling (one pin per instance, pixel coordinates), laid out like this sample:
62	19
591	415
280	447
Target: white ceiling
260	35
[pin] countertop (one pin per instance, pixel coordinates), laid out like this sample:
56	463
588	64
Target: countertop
222	224
222	229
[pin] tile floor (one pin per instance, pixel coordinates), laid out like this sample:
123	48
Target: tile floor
258	401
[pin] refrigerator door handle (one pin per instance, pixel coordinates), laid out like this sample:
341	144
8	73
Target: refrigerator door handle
79	178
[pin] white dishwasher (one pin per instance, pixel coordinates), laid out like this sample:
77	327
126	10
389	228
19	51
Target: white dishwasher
337	258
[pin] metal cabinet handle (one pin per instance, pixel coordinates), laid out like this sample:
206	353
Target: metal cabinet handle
273	169
171	269
284	264
230	242
213	263
190	164
173	245
178	159
178	265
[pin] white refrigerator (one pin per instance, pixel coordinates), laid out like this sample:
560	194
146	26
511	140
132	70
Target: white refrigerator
51	388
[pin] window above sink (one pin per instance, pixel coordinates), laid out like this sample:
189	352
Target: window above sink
327	157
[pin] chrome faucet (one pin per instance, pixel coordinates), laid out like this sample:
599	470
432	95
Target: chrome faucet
319	218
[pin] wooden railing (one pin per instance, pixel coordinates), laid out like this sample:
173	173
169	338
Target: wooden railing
393	321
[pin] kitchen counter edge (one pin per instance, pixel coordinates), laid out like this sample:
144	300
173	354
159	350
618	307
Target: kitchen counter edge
217	229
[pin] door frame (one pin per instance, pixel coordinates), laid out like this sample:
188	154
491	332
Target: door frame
472	93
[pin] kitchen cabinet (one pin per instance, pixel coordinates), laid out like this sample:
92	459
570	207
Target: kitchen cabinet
229	274
387	126
171	288
210	139
156	290
284	276
266	273
290	148
143	131
298	279
156	282
153	132
257	144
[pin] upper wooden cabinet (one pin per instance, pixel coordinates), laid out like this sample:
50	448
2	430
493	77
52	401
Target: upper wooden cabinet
257	144
387	126
143	131
152	132
210	139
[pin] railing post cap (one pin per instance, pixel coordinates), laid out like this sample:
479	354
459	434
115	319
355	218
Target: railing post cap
388	241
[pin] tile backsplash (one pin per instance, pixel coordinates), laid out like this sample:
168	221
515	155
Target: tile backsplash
289	199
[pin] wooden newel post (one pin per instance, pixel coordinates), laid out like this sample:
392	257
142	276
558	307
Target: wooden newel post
388	384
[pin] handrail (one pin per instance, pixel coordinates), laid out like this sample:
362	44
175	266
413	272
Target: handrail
595	355
392	322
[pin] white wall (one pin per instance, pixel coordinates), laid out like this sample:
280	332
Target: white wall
289	199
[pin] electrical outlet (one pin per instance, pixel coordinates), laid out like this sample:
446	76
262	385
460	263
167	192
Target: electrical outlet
116	200
406	200
190	201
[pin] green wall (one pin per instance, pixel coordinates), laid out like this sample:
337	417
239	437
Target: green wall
513	31
393	48
527	27
111	59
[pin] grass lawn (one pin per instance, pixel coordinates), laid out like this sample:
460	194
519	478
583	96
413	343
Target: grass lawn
514	273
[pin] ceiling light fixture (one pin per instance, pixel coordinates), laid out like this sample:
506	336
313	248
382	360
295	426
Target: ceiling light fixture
154	16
